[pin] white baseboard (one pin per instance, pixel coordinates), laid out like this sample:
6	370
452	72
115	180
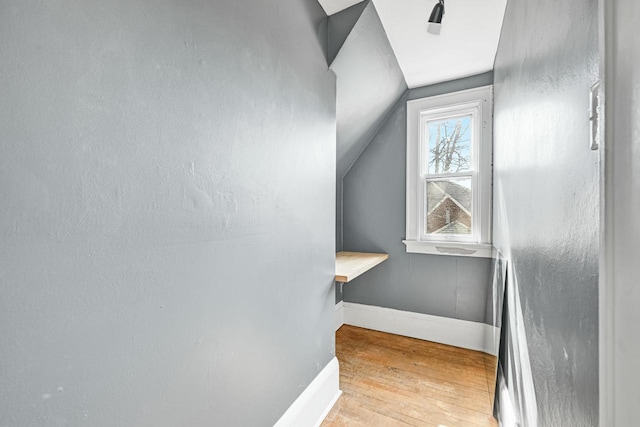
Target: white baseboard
339	317
444	330
506	413
315	402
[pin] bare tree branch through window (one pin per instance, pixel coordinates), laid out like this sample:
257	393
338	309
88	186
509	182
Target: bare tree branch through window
449	145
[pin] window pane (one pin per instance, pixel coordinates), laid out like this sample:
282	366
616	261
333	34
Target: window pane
449	206
449	144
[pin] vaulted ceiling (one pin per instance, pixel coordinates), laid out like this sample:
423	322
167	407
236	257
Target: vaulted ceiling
466	46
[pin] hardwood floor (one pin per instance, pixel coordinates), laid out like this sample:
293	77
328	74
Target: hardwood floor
390	380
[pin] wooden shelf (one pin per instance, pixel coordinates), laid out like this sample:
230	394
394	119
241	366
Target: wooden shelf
350	265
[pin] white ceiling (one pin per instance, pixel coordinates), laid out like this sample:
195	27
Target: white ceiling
466	46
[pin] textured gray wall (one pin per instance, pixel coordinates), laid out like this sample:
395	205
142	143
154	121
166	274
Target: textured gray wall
622	230
167	183
546	206
374	221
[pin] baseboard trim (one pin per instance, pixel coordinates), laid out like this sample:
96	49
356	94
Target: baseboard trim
315	402
339	316
444	330
503	410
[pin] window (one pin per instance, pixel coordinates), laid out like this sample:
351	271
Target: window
449	174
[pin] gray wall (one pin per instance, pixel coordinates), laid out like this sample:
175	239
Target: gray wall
167	183
374	221
546	207
622	231
369	83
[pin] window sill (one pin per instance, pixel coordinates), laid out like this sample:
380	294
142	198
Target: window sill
479	250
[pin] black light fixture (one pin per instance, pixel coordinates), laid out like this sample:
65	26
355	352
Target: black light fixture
435	20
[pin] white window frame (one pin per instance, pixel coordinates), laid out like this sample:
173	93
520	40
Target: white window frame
479	103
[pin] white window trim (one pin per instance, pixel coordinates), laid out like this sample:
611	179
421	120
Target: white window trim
479	100
424	117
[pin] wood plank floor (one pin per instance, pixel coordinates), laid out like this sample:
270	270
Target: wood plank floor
390	380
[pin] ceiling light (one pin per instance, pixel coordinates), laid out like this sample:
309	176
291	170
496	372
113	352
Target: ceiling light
435	20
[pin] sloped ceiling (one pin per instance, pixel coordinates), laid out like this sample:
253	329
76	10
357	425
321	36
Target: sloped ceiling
339	27
334	6
466	46
369	82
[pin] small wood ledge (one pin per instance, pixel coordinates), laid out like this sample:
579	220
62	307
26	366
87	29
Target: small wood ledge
350	265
